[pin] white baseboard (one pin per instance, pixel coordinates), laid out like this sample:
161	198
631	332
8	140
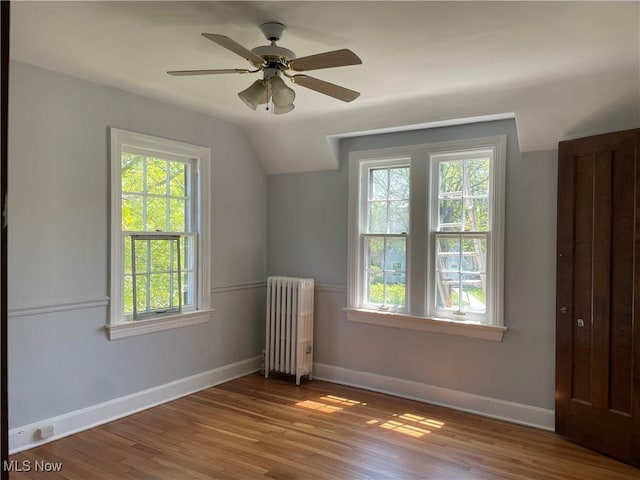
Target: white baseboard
25	437
468	402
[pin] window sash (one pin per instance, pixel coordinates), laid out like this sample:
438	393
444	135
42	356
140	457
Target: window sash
461	285
390	201
190	189
174	252
187	280
468	203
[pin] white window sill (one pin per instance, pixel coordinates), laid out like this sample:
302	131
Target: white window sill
410	322
131	328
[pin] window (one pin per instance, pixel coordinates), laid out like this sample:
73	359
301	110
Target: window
384	236
159	234
426	237
460	231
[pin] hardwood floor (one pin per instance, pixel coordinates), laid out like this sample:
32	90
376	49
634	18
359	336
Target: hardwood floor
257	428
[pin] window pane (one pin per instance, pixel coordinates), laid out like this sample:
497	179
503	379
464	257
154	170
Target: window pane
447	288
385	274
395	278
175	254
474	254
399	183
159	294
473	298
448	253
177	217
477	177
160	255
156	176
476	213
127	255
378	181
473	274
374	253
395	289
461	273
377	217
450	178
141	293
447	272
395	255
141	256
142	251
175	301
132	212
132	173
375	288
450	215
156	214
178	178
128	294
398	216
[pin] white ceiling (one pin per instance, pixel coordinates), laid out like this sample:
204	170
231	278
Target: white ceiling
564	69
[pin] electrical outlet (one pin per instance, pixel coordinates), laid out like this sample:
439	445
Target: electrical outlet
45	432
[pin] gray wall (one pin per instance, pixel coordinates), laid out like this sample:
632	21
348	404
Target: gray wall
307	235
58	247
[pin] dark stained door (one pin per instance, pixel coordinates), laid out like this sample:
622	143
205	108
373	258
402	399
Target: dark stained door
598	294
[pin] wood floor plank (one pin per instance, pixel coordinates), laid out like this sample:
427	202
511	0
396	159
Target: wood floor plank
261	428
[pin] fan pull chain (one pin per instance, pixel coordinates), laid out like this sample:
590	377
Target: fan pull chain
269	99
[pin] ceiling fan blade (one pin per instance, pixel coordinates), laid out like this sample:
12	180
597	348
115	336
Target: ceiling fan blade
331	89
235	47
179	73
337	58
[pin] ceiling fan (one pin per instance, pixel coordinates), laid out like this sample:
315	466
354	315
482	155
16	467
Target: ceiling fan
276	62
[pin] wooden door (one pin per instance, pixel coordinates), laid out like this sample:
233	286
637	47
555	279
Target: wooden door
598	293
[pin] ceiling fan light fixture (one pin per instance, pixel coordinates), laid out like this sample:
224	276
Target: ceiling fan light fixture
279	110
255	95
281	95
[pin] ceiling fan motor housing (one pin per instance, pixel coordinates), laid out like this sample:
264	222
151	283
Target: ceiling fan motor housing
274	52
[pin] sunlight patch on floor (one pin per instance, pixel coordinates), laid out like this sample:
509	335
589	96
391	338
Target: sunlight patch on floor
329	404
422	420
341	400
319	406
409	424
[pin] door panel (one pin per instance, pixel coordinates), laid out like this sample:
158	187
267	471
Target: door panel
583	266
597	349
622	249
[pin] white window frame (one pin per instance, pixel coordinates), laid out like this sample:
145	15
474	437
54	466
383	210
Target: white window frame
362	222
421	313
119	326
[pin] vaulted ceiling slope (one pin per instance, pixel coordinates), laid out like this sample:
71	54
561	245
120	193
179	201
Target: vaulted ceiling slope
565	69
